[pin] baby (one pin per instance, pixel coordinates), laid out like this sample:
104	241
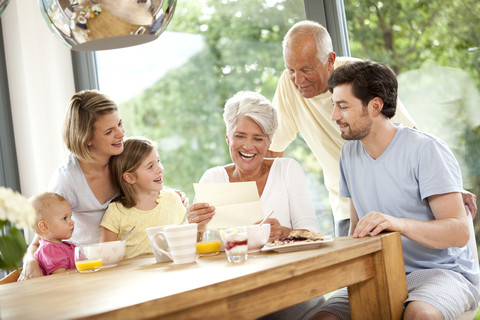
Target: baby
53	224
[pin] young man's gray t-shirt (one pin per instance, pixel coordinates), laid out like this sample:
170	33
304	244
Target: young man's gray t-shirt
414	166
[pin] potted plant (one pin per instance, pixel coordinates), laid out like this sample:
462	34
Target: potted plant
16	213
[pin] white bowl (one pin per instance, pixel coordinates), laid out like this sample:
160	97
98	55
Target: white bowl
112	252
257	236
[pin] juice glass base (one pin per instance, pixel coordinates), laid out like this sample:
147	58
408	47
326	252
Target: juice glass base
88	271
208	254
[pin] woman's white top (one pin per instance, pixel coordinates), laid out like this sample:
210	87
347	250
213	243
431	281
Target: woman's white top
69	181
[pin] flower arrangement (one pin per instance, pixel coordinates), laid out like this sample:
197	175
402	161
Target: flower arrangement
16	212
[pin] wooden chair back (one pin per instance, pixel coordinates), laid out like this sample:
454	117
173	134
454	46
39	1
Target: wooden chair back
472	244
11	277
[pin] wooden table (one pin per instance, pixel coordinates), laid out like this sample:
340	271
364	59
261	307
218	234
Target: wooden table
212	288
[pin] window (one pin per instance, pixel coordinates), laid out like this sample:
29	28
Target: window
173	90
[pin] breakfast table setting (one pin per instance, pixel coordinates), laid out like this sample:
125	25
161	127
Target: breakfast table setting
240	284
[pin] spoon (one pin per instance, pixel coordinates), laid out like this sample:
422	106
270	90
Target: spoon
266	217
126	235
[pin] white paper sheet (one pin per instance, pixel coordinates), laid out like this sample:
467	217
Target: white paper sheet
236	203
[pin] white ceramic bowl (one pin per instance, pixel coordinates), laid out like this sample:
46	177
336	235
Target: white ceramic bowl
112	252
257	236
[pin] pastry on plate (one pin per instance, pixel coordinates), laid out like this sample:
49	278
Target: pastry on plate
297	236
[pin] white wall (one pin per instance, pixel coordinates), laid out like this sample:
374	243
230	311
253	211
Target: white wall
40	79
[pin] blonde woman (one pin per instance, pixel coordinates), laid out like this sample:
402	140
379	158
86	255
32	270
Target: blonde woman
93	132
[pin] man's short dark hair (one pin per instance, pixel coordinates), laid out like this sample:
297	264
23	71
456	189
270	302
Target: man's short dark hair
369	80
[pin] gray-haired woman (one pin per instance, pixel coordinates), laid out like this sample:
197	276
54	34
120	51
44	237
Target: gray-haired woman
250	121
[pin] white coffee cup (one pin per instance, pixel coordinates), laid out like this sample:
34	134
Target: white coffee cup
158	242
182	242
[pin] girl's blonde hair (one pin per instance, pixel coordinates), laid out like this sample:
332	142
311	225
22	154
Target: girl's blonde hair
135	150
84	109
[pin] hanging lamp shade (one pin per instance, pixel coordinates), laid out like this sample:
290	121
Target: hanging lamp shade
3	5
91	25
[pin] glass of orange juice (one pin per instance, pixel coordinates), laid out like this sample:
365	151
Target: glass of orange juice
87	258
208	242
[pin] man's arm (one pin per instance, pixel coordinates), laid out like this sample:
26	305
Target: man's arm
449	229
284	104
272	154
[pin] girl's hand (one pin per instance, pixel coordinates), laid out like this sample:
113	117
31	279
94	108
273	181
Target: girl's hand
200	213
183	197
31	269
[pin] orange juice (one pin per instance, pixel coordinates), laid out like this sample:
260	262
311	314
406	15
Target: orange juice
208	247
88	265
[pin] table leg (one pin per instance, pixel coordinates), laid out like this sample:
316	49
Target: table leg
382	296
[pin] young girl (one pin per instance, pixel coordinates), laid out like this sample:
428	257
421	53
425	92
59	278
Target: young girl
53	224
144	202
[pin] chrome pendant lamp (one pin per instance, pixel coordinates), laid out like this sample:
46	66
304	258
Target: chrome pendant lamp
91	25
3	5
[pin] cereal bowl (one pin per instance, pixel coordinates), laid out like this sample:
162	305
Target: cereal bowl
112	252
257	236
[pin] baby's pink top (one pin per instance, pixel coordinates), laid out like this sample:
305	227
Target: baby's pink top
51	256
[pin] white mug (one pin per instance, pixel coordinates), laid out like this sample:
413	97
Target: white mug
182	242
158	242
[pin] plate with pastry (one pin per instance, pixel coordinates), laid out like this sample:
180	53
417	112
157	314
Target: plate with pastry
297	240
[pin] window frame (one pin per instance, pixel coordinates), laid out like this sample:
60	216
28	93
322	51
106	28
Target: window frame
85	70
331	14
9	176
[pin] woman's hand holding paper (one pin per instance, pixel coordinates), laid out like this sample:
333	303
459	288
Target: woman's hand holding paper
200	213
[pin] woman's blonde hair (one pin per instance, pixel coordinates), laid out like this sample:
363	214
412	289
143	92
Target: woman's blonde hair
42	204
135	150
84	109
